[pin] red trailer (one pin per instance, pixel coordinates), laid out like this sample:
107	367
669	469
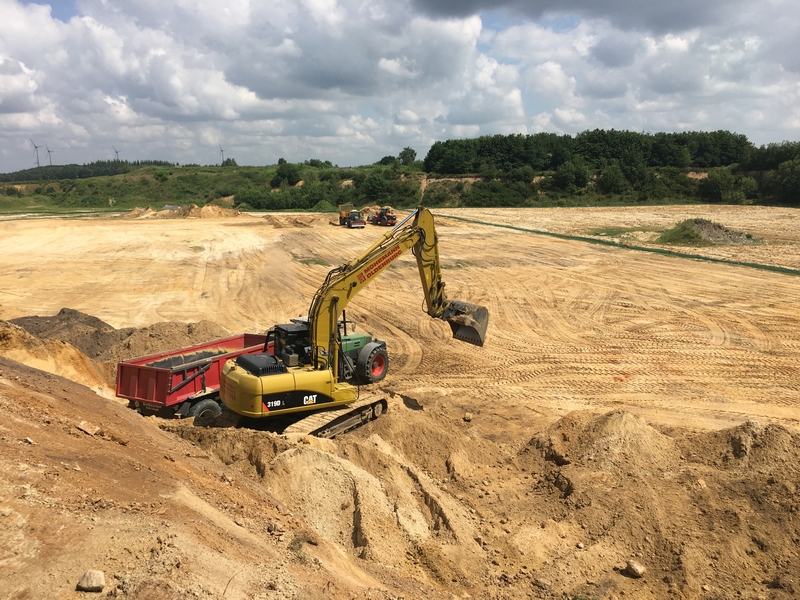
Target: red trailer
184	381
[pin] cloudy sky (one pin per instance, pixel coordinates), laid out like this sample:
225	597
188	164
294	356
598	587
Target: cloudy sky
352	81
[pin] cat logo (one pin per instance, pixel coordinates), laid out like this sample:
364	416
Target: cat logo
312	399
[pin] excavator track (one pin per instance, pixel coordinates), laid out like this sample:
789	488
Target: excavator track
330	423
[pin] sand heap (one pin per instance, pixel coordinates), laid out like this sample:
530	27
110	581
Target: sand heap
719	234
88	334
562	514
188	211
85	349
140	213
53	356
295	220
159	337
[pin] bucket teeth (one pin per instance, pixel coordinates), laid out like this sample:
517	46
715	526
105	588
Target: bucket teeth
468	321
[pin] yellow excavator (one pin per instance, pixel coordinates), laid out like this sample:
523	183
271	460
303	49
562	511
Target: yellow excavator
311	361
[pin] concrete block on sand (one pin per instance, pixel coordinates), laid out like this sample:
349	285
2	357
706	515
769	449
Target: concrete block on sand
92	581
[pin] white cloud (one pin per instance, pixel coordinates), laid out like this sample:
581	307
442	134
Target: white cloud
359	80
397	67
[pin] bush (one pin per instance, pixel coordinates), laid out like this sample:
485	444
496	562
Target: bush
288	173
375	185
325	207
787	182
612	179
722	185
572	174
255	197
683	234
524	174
496	193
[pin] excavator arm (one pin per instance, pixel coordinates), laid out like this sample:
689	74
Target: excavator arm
467	321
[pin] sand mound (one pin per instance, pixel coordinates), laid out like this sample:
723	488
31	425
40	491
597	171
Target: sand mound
614	441
212	211
91	339
189	211
280	221
370	210
368	498
747	447
138	213
53	356
88	334
719	234
192	211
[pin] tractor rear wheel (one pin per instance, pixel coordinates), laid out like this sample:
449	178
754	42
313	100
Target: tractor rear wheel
373	363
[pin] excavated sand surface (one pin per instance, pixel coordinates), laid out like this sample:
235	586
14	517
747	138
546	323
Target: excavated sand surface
625	407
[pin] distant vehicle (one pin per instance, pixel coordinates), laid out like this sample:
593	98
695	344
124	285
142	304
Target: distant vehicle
385	217
350	217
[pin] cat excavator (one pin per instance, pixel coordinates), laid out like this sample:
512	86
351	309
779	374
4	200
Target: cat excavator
309	369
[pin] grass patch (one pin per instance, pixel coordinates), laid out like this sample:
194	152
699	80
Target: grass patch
459	264
613	231
683	234
310	261
298	542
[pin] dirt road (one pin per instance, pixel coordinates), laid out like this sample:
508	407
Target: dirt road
667	356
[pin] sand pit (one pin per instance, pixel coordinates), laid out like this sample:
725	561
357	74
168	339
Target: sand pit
626	408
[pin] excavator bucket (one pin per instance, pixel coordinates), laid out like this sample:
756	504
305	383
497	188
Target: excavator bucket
468	321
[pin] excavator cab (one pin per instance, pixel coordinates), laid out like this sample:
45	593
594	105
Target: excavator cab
291	343
468	321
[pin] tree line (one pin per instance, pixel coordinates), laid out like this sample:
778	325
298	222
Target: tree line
98	168
624	162
593	167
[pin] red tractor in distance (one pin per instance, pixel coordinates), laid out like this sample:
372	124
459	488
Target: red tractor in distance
385	217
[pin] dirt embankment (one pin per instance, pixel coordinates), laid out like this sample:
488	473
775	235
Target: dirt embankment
572	511
86	483
426	502
85	349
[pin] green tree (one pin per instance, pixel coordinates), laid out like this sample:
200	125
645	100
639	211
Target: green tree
229	162
375	185
721	186
407	157
612	180
572	175
788	182
288	173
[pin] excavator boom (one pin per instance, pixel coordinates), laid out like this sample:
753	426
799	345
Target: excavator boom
416	232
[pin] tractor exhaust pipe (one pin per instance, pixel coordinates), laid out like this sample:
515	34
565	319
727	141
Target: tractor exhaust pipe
468	321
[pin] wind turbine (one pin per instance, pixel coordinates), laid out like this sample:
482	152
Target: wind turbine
221	154
116	153
36	152
49	152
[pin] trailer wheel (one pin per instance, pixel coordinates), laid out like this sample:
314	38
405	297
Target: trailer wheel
206	409
373	363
